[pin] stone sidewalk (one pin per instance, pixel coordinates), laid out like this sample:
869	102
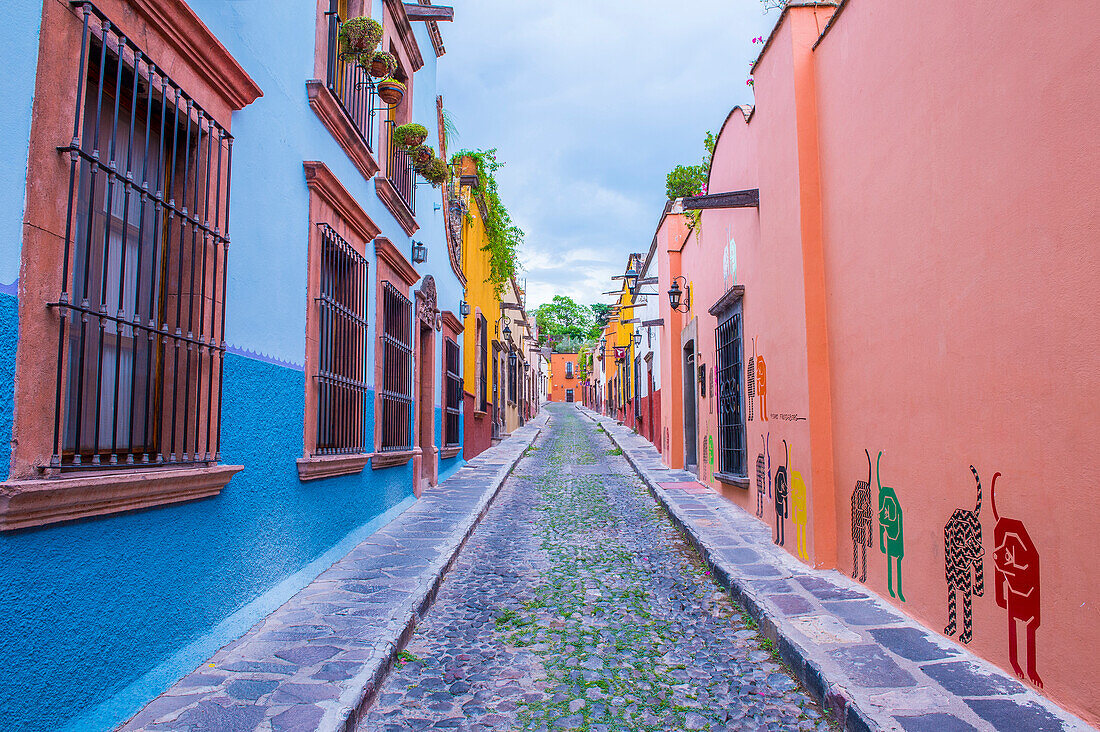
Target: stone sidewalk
317	661
872	666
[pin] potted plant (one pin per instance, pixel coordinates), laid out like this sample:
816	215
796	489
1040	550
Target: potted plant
358	38
422	155
435	172
382	65
410	135
391	91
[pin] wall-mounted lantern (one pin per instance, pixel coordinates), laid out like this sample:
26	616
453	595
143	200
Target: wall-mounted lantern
419	252
464	308
511	357
637	338
631	277
676	293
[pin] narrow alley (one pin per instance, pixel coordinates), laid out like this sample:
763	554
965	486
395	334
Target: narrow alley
577	604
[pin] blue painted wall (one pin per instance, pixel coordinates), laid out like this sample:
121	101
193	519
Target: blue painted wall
102	615
19	39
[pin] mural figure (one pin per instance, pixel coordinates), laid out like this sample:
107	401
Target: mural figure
962	558
1016	583
799	513
761	478
890	536
781	495
750	382
762	385
862	521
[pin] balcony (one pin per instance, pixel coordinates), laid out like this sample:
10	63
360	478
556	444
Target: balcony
397	188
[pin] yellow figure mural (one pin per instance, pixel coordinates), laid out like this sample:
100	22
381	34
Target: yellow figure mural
799	514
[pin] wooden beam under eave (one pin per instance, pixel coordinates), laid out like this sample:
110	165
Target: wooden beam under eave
429	12
734	199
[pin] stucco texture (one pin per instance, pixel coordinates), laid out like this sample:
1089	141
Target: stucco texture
91	606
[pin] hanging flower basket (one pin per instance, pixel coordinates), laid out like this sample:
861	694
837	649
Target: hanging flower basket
391	91
358	39
422	155
410	135
382	65
435	172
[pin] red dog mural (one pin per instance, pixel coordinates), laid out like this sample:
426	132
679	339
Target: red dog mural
1016	582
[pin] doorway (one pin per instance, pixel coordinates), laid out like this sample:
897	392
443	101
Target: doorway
425	439
568	395
691	459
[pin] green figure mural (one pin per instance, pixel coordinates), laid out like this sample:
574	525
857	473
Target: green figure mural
891	539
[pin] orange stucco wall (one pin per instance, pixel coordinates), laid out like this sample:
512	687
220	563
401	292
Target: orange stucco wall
558	383
919	278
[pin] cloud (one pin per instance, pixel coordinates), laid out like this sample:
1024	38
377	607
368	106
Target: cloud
589	105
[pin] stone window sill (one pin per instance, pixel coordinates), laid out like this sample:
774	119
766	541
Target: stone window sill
390	459
480	414
450	451
738	481
329	466
400	210
39	502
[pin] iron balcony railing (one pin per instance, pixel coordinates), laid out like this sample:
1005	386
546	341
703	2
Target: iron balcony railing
351	84
399	169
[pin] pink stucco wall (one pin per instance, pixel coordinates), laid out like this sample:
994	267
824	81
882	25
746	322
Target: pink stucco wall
921	279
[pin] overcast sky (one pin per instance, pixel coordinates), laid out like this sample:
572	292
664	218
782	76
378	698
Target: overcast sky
590	103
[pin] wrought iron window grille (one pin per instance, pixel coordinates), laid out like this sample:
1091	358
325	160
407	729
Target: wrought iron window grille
483	364
342	347
141	311
451	431
731	419
397	370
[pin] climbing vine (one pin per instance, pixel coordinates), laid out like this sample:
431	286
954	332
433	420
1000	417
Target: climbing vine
502	237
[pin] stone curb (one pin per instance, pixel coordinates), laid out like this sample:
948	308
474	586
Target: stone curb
370	650
823	680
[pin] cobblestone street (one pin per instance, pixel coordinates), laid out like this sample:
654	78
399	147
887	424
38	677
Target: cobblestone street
577	605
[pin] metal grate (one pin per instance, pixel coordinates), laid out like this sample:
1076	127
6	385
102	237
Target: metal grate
397	370
451	431
140	336
637	401
350	83
399	169
342	343
512	378
731	418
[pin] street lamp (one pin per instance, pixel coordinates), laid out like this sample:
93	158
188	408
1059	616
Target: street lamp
631	278
637	339
419	252
675	293
464	308
512	358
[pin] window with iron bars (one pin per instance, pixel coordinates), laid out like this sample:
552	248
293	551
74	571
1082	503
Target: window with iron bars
397	370
140	339
399	168
451	431
350	82
342	344
483	363
731	418
569	369
512	378
637	382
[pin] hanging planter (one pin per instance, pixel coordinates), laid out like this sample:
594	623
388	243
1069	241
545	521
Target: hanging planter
435	172
382	65
391	91
422	155
358	39
410	135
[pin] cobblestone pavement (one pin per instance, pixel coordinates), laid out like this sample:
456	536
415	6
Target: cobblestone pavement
577	605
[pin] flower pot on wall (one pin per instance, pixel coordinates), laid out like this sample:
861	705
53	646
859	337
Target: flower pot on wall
382	65
410	135
391	91
422	155
358	39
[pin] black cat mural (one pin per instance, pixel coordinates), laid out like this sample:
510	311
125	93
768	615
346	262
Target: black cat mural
962	558
862	522
782	486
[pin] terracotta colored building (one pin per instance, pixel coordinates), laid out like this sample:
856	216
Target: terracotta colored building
565	378
887	314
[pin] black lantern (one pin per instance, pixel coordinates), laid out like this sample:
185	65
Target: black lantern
419	252
675	293
464	308
637	338
507	331
511	354
631	278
